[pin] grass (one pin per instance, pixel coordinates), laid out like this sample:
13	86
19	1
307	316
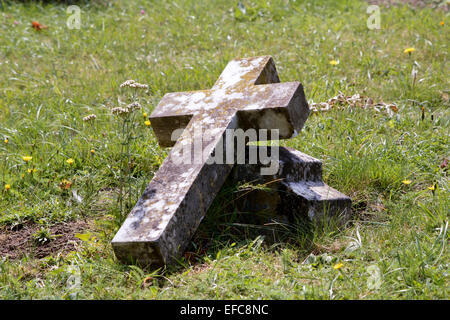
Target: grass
395	247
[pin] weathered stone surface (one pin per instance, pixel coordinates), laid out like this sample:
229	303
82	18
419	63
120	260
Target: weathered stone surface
296	189
246	95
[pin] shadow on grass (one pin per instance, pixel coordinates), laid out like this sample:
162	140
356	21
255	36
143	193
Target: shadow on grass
224	226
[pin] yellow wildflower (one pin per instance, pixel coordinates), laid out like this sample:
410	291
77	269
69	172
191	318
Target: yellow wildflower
147	123
338	266
409	50
7	187
27	158
406	182
70	161
432	188
441	23
144	114
334	62
6	140
92	151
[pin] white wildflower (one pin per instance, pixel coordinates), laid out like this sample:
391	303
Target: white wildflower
139	85
89	117
342	101
127	83
133	106
128	109
120	111
134	84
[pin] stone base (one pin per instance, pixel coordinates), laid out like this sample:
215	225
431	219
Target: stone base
296	189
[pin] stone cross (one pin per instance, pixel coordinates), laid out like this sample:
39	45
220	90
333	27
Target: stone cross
247	95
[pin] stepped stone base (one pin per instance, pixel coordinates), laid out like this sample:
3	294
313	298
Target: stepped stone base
296	189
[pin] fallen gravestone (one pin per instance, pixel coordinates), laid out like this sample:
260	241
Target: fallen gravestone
249	103
295	188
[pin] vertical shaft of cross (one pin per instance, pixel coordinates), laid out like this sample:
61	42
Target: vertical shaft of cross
176	200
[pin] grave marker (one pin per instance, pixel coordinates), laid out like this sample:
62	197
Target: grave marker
247	95
295	189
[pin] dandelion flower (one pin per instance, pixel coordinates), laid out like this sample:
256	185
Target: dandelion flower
70	161
431	188
406	182
147	123
7	187
338	266
334	62
92	151
144	114
409	50
27	158
441	23
6	140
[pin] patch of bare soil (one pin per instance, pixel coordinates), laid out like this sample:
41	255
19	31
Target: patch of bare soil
435	4
17	242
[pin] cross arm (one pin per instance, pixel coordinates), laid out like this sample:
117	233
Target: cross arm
281	106
173	112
